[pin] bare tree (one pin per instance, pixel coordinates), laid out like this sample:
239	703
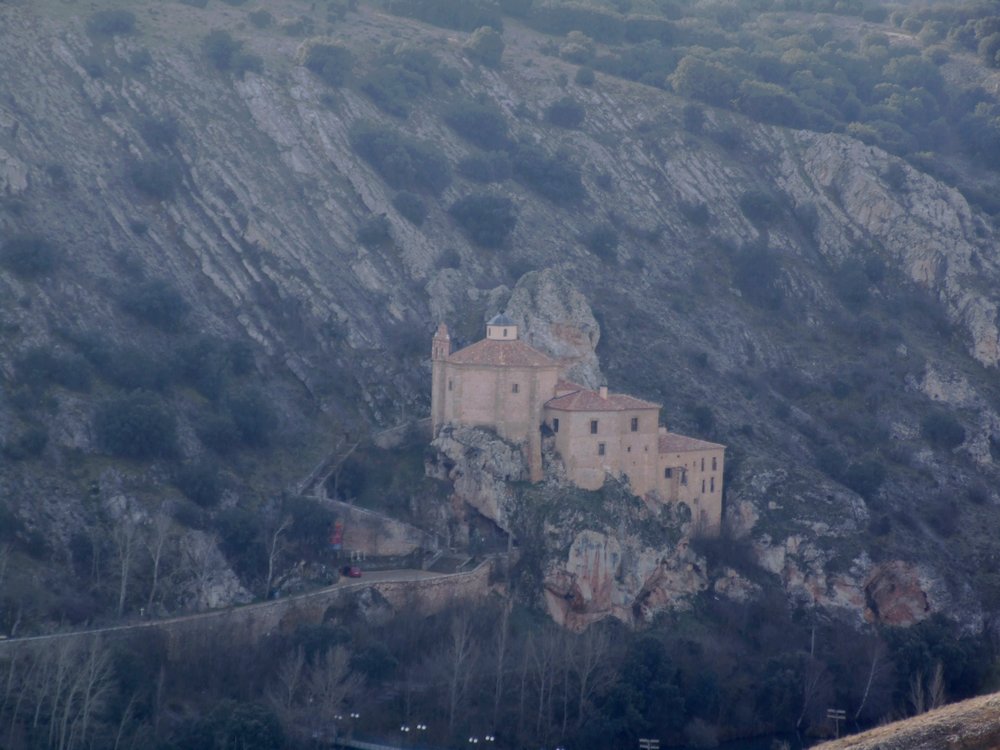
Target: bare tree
125	536
160	535
875	667
458	657
500	646
330	681
274	549
589	661
289	682
935	689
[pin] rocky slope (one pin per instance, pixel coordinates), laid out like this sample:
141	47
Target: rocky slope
769	350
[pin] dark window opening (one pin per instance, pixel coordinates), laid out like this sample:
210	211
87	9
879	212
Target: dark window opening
712	485
702	485
703	464
593	426
600	449
555	425
714	467
450	385
635	424
668	473
516	388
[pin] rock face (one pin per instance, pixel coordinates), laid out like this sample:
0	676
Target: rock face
556	319
481	467
257	232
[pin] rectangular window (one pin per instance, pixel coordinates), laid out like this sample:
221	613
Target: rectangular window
635	424
711	485
600	449
702	485
516	388
703	464
684	476
450	385
555	425
629	449
593	426
714	467
668	473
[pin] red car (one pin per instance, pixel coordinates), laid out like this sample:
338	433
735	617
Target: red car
351	571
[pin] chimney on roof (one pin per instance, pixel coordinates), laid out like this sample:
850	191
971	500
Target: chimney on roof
604	392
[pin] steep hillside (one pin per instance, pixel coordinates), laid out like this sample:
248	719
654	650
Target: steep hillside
254	235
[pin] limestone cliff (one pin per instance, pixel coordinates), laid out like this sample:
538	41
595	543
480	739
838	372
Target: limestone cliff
280	240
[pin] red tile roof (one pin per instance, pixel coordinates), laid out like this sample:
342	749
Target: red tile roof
512	353
568	386
587	400
671	442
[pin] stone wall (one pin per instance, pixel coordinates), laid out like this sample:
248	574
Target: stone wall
253	622
378	535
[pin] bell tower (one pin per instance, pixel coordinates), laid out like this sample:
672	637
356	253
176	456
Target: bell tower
440	350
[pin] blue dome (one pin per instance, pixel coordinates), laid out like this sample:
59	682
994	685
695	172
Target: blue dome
500	320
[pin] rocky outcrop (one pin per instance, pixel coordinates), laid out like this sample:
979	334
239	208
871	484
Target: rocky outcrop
481	467
556	318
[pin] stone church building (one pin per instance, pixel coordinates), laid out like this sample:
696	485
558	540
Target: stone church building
504	384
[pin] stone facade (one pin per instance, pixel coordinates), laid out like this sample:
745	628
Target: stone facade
506	385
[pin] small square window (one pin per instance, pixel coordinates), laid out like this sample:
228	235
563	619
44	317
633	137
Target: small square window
555	425
668	473
635	424
593	426
600	449
516	388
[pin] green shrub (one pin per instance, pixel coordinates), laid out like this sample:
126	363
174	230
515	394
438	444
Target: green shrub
481	124
155	302
253	416
246	62
200	483
159	132
29	444
393	88
463	15
831	462
584	76
485	46
136	426
555	177
696	213
759	207
561	18
942	430
375	231
487	219
403	162
865	477
220	48
40	367
330	62
155	178
29	256
206	363
111	22
602	240
852	285
757	274
493	166
411	207
218	433
565	113
261	19
707	81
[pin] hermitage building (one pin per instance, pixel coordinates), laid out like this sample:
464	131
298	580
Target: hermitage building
506	385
